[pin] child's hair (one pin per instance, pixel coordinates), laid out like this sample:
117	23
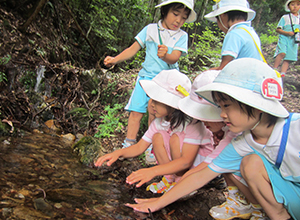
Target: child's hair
166	8
177	118
219	96
237	15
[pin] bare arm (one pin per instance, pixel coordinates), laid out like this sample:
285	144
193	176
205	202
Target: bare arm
225	60
189	152
286	33
168	58
182	188
194	170
124	55
132	151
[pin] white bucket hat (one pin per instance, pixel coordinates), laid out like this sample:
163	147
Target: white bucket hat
230	5
197	107
188	3
166	87
286	6
251	82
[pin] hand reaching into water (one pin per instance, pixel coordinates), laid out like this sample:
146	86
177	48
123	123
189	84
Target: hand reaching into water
142	176
111	158
144	204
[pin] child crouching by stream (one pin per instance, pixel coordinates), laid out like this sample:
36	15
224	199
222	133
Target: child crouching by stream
176	138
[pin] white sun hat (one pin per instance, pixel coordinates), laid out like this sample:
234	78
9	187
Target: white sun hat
286	6
251	82
197	107
168	87
188	3
223	6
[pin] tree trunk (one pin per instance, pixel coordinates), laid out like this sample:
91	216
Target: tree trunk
38	8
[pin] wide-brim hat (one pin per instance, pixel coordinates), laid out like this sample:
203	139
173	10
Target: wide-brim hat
168	87
188	3
249	81
224	6
197	107
286	6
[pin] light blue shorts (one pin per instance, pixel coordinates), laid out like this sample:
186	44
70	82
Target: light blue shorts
138	101
285	191
287	46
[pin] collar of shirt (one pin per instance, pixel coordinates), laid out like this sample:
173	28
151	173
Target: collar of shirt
247	23
162	29
274	139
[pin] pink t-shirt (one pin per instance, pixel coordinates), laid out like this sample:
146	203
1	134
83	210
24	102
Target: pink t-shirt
193	133
228	136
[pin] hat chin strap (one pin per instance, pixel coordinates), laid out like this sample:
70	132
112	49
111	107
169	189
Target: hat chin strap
220	19
260	116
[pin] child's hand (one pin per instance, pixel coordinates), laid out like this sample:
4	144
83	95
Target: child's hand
111	158
143	206
142	176
109	61
291	33
162	51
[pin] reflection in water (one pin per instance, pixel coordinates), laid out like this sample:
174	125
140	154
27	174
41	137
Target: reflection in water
40	178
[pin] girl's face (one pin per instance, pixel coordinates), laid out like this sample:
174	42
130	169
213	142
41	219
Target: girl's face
214	127
294	7
175	19
235	118
160	110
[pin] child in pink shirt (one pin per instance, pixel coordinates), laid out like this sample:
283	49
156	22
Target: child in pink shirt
176	138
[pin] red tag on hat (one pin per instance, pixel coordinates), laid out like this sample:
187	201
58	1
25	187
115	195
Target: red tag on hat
271	89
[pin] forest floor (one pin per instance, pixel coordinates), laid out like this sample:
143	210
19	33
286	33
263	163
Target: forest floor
24	53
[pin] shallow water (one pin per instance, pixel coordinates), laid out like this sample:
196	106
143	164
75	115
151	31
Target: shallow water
41	178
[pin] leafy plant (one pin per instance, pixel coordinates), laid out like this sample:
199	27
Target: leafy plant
29	79
110	122
4	60
271	36
205	50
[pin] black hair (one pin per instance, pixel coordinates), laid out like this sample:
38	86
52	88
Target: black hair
237	15
177	118
219	96
164	10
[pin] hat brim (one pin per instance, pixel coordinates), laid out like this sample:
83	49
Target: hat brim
212	16
253	99
199	111
192	17
160	94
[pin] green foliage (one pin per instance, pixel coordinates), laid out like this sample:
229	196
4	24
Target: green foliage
110	25
110	122
28	79
4	60
271	36
205	51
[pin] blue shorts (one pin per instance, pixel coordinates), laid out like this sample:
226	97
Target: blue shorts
285	192
287	46
138	101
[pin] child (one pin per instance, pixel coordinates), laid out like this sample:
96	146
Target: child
287	49
175	137
165	42
233	18
249	95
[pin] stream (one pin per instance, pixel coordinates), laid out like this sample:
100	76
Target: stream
42	178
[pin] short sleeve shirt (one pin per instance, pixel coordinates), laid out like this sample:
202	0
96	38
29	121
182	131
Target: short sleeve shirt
230	158
194	133
239	44
149	38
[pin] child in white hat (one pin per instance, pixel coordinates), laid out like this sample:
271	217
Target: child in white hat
288	26
234	19
265	155
175	137
165	42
